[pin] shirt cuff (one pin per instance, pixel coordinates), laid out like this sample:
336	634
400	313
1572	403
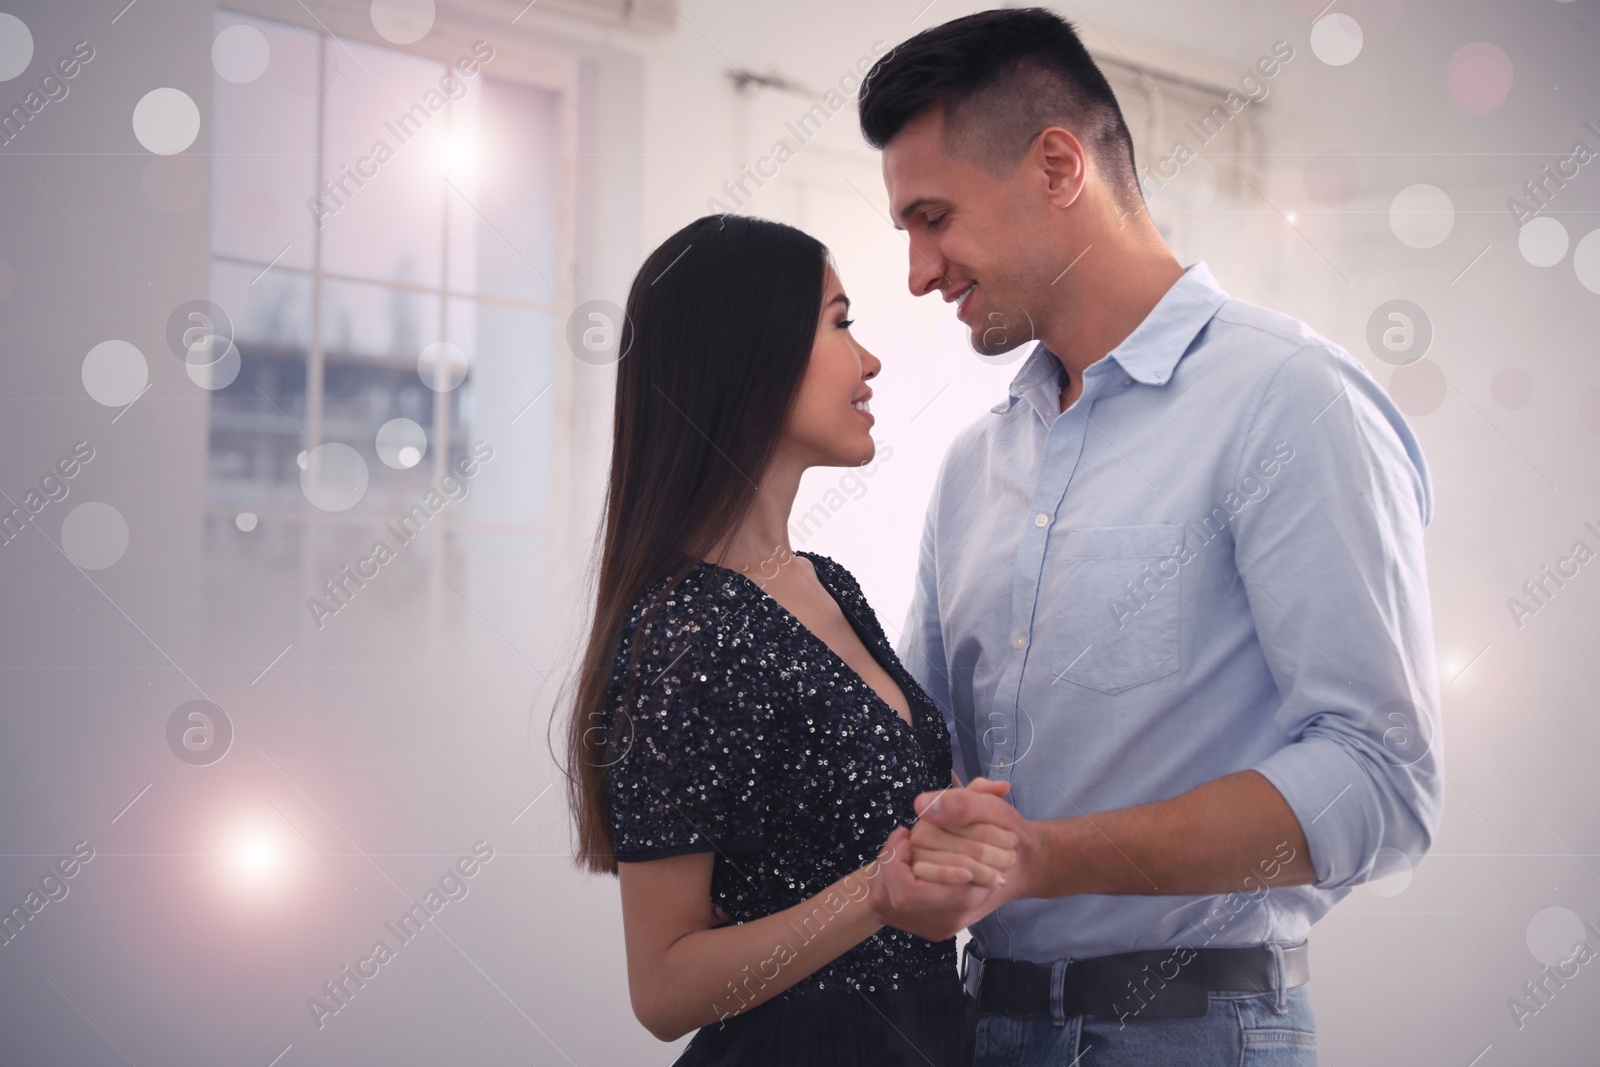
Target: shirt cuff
1332	795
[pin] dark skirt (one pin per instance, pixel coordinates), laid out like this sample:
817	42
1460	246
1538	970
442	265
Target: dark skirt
928	1025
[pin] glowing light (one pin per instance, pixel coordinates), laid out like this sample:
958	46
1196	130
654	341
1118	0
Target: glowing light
257	858
459	156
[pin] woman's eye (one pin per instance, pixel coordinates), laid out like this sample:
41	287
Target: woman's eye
845	324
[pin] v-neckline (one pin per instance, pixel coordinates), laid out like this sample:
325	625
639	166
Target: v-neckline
827	649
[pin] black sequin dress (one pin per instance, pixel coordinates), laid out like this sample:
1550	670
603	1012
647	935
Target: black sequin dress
748	736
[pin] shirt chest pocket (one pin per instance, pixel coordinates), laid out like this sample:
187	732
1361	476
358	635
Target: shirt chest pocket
1110	606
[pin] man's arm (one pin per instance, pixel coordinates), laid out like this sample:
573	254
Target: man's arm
1333	562
1234	834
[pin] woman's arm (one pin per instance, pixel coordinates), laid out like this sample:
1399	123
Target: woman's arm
683	974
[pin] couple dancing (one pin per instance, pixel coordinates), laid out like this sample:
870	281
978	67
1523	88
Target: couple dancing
1166	691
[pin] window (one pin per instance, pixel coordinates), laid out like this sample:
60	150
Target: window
388	246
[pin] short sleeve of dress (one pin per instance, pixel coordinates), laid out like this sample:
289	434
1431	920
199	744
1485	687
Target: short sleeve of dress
686	764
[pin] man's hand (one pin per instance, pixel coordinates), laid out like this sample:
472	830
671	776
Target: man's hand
928	909
975	824
939	891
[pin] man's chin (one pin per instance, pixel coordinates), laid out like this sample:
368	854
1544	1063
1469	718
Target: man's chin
1002	337
999	355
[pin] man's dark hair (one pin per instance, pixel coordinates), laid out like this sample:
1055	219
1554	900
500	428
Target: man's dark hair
1001	77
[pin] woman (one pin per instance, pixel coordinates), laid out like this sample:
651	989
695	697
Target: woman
744	738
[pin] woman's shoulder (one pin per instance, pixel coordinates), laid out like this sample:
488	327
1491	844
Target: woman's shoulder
844	587
683	674
703	612
836	576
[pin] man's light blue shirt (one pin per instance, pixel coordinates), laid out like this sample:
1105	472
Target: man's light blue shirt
1211	562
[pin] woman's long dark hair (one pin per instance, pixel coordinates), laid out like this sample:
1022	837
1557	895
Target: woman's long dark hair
719	328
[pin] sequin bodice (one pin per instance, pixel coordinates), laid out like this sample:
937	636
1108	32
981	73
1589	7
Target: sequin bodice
748	736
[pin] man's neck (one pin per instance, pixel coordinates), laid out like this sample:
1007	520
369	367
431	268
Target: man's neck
1107	303
1071	389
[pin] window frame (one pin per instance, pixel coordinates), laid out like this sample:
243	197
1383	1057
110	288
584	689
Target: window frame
520	59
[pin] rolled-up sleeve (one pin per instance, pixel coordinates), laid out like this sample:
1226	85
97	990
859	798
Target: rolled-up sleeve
1332	561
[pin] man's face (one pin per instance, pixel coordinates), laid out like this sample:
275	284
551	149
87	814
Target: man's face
976	239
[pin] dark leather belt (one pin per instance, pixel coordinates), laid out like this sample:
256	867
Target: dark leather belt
1168	983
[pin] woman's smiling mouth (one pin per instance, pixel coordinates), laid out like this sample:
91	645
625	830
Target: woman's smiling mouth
860	404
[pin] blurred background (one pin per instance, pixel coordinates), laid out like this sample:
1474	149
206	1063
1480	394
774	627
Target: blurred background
282	281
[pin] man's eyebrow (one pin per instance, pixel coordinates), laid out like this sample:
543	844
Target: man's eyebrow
912	208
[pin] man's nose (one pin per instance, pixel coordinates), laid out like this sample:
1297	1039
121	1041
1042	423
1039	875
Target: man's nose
927	272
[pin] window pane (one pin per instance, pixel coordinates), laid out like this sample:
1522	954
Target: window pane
385	145
377	322
372	336
258	421
504	223
263	137
511	351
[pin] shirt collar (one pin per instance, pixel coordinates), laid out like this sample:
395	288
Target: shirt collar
1151	352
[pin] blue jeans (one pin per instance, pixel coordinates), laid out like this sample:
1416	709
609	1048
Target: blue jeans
1237	1030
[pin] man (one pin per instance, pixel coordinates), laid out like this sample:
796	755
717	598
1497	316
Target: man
1171	589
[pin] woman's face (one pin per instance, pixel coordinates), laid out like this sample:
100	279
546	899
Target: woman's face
829	425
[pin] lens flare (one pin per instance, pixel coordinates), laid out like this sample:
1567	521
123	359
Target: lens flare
459	156
257	858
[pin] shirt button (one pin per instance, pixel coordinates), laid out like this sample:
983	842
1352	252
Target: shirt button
1019	641
1127	381
1001	765
1041	520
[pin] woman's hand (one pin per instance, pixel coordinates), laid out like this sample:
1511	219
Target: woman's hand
980	856
940	877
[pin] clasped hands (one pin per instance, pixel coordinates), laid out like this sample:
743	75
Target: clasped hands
967	853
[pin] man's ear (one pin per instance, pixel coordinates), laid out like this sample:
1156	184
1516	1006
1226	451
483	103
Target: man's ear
1061	159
